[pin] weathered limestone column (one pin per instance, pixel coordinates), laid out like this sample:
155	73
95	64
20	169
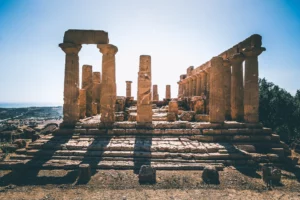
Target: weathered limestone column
227	88
128	88
203	79
198	85
82	103
190	81
187	86
87	84
96	91
251	88
184	88
207	108
144	105
237	89
194	79
217	104
168	91
108	84
181	86
179	89
71	84
155	93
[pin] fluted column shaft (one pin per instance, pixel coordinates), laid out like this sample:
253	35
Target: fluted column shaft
216	96
198	85
251	87
144	104
168	91
155	93
237	89
87	84
227	89
97	90
108	85
194	79
203	82
71	84
128	88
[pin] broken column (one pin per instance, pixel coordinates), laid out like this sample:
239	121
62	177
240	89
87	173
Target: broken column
82	103
216	92
96	92
194	79
237	89
144	105
251	88
155	93
71	84
87	84
227	88
128	88
168	91
108	84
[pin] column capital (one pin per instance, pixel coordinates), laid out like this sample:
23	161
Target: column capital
70	48
194	77
253	51
236	58
226	63
202	72
128	81
107	49
182	76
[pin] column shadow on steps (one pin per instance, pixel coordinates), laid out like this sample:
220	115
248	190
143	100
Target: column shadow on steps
242	168
94	152
142	151
27	174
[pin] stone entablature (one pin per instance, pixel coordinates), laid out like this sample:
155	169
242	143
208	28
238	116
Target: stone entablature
86	37
239	94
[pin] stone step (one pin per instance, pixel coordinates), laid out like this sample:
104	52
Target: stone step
74	164
135	159
177	124
141	154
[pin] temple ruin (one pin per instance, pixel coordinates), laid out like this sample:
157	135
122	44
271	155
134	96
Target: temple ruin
214	118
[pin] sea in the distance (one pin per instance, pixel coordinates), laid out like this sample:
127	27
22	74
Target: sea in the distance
26	105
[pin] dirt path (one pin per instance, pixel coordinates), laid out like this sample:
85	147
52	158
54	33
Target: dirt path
112	184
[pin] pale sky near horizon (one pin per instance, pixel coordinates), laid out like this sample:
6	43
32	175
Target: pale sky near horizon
176	33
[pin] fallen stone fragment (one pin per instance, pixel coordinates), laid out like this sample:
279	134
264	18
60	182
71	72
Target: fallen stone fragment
210	175
147	174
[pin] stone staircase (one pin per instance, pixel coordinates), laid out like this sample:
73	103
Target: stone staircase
164	145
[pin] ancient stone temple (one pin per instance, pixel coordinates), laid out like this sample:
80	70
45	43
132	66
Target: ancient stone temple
214	118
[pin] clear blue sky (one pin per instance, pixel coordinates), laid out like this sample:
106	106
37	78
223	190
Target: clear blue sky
176	33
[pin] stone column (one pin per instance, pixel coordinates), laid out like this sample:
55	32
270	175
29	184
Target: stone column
237	89
207	71
227	88
194	81
144	105
168	91
187	87
82	103
87	85
128	88
190	81
155	93
251	88
198	85
182	86
203	79
108	84
96	91
179	89
216	96
71	84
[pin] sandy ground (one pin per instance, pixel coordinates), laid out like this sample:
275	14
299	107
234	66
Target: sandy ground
112	184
